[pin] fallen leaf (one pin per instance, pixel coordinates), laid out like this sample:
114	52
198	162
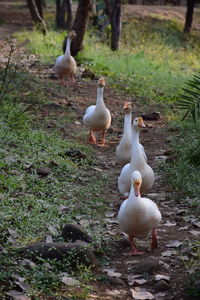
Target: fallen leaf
197	224
110	214
52	229
49	239
63	209
13	233
169	253
17	295
112	273
174	244
139	294
194	232
77	122
111	221
159	277
113	292
70	281
135	279
169	224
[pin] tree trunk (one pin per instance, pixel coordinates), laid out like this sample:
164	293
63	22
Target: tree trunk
35	7
80	25
189	15
69	14
60	13
115	24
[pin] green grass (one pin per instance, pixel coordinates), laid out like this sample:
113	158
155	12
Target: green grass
182	174
154	60
29	203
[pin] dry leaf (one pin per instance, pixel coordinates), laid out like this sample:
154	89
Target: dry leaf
112	273
159	277
52	229
70	281
110	214
169	253
139	294
174	244
111	221
197	224
169	224
113	292
17	295
49	239
13	233
135	279
194	232
77	122
63	209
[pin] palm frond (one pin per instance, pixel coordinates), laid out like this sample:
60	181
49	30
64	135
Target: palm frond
189	99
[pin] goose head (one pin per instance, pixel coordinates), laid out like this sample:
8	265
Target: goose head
72	34
136	180
101	82
127	107
138	124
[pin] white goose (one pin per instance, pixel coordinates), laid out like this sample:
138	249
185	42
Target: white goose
137	162
124	149
97	117
65	66
138	217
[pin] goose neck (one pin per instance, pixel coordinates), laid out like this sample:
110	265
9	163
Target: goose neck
100	101
68	44
127	123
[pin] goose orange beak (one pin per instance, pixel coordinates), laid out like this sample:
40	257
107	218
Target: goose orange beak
127	105
141	122
137	185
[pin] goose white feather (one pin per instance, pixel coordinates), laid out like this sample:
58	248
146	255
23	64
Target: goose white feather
124	149
97	117
65	66
138	217
137	162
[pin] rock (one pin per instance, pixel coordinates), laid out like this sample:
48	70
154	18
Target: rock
43	171
148	265
116	281
75	154
154	116
162	285
76	253
72	233
123	242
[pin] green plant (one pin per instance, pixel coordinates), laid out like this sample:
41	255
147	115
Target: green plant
190	100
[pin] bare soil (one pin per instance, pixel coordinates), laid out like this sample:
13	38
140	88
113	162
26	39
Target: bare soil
170	255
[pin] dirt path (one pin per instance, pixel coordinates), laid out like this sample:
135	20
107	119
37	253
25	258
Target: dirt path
175	231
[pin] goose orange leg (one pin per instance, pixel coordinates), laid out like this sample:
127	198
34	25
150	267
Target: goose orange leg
154	243
103	139
92	139
134	250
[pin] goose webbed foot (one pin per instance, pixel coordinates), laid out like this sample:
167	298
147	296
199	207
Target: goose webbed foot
91	139
134	250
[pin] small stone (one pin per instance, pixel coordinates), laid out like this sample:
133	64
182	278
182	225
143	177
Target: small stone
73	232
148	265
162	285
75	154
116	281
154	116
45	171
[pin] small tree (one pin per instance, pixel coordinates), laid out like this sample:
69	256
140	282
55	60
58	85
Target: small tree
113	9
80	26
63	8
36	11
189	15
